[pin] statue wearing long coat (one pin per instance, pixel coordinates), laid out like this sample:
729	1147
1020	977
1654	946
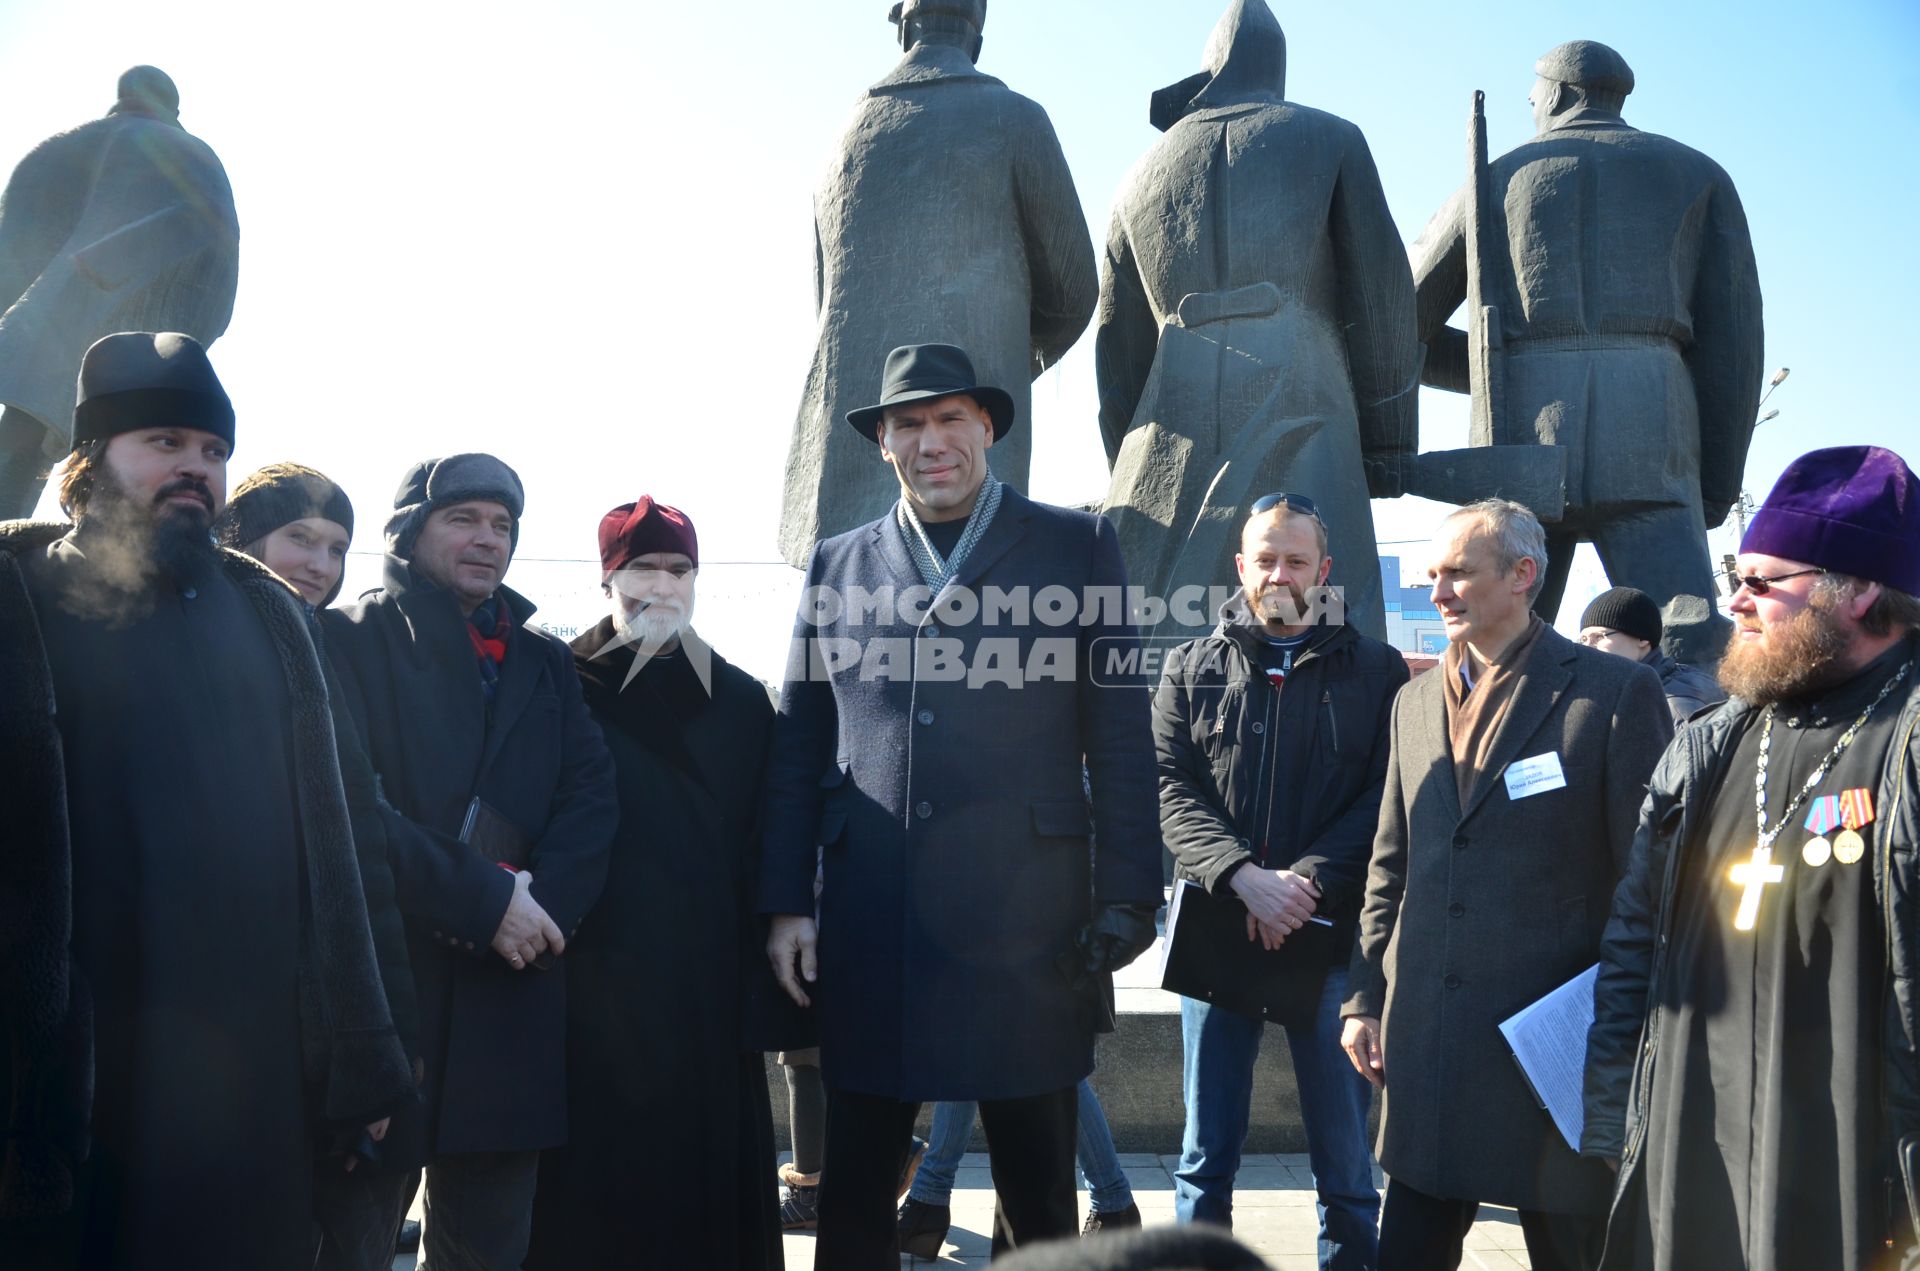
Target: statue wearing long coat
1629	328
947	216
1255	328
122	224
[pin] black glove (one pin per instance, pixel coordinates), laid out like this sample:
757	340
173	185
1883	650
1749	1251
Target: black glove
1117	935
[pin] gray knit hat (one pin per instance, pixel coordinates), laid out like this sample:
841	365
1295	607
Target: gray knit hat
436	483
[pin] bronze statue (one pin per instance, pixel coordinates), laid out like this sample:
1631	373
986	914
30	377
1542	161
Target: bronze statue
122	224
1614	312
947	216
1255	329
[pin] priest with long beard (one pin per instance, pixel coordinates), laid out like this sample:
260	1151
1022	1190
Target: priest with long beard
1752	1064
189	999
669	1156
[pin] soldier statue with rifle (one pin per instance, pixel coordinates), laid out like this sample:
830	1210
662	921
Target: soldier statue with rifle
1613	311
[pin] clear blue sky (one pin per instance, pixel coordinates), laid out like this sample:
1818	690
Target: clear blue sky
579	234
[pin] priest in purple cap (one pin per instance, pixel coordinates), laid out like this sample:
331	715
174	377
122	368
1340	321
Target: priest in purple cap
669	1157
1752	1065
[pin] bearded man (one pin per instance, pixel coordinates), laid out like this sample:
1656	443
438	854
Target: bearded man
1752	1062
188	989
665	1095
1272	738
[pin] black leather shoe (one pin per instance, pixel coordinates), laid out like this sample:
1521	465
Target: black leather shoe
923	1228
1119	1218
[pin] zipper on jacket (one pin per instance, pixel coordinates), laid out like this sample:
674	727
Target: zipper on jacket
1333	719
1883	860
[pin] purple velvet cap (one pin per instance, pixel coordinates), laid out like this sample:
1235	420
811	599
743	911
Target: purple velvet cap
1851	509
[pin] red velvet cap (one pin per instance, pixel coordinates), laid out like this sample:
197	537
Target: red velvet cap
635	529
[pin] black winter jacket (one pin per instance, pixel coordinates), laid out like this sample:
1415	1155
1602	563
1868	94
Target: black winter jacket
1298	770
1633	962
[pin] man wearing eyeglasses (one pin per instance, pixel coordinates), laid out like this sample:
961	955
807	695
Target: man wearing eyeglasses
1271	736
1516	772
1757	978
1626	622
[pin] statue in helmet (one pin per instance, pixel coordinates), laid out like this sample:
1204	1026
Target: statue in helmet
1255	330
947	216
1620	320
122	224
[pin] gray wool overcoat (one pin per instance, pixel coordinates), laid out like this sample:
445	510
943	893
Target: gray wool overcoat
1471	913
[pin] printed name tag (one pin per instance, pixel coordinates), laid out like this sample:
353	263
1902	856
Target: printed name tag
1535	776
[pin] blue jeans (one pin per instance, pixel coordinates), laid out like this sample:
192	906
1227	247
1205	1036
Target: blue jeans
1220	1051
1100	1171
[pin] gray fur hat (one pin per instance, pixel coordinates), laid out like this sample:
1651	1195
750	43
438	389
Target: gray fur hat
435	483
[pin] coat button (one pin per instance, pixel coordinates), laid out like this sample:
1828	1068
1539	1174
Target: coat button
1259	727
925	717
931	631
191	593
1452	981
1459	840
923	810
1456	909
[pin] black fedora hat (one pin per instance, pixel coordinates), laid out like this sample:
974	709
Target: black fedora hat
916	372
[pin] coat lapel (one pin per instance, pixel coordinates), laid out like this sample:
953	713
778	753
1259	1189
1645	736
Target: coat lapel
518	676
1546	677
1434	741
890	541
1009	527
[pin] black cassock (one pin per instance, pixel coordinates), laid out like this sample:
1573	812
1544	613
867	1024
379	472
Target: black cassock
1763	1127
669	1159
186	902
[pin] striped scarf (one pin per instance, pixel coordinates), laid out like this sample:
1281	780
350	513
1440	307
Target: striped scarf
936	571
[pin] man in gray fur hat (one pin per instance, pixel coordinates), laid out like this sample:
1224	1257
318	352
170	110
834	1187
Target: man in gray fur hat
475	722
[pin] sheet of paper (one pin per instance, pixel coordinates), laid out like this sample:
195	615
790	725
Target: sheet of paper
1549	1039
1535	776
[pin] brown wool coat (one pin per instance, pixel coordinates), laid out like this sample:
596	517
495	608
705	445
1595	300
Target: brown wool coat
1471	913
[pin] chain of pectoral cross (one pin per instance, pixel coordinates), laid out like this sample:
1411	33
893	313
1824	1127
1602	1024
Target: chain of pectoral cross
1757	873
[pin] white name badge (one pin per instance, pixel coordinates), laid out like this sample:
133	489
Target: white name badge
1535	776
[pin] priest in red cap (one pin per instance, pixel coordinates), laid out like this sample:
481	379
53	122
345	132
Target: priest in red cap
669	1158
1752	1065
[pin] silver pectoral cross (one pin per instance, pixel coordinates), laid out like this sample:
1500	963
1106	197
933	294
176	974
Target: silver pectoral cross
1753	875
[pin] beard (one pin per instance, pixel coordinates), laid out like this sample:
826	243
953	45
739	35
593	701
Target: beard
652	626
1283	603
131	546
1794	659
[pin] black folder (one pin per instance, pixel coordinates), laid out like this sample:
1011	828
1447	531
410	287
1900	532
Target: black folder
1209	957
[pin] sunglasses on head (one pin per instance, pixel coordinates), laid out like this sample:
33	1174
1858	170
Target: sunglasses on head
1761	584
1295	502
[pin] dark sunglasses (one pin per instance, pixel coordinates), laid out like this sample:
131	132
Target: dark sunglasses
1760	584
1297	502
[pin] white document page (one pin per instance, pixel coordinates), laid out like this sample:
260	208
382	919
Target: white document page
1549	1038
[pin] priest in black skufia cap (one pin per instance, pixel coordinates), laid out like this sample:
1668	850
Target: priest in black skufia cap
188	988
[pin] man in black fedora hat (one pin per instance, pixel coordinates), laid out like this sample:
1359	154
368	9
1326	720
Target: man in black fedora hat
948	677
188	989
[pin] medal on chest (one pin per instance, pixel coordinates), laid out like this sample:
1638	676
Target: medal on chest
1856	813
1852	809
